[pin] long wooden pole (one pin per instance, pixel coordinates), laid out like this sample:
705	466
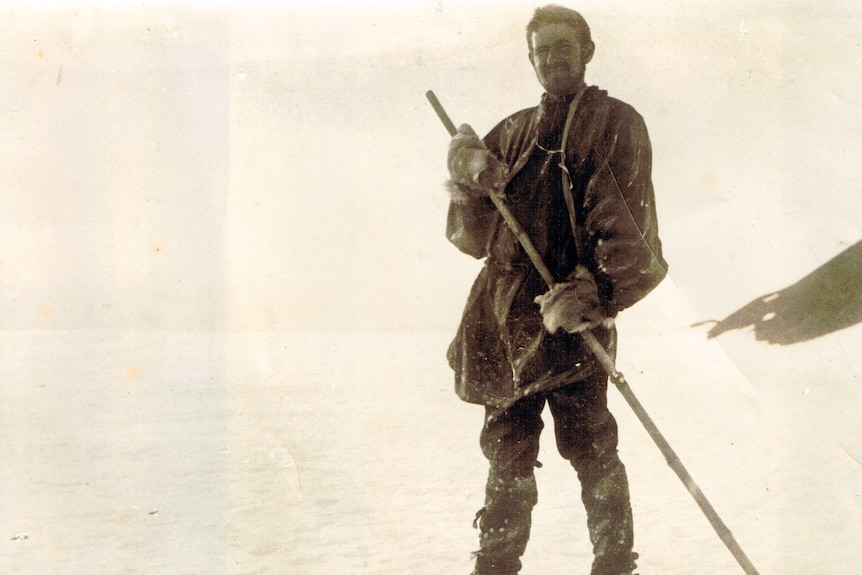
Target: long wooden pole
615	375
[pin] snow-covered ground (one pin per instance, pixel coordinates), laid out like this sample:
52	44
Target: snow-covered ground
311	453
225	295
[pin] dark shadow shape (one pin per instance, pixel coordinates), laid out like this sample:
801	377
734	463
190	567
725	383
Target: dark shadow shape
826	300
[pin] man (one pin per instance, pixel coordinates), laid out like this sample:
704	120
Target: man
518	346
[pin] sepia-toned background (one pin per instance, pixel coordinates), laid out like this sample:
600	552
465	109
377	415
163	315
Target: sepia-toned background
225	293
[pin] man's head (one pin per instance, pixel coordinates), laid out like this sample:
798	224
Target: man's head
560	48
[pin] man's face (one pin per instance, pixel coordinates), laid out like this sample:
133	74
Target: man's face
559	58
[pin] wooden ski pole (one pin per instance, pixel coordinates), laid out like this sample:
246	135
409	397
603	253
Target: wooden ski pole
615	375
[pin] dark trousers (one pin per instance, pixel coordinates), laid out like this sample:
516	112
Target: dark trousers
586	435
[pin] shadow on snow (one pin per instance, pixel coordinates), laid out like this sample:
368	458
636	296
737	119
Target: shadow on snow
827	300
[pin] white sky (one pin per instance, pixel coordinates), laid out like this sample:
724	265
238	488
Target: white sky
275	166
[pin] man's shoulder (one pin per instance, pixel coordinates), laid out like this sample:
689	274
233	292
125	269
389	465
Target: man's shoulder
520	115
598	98
513	127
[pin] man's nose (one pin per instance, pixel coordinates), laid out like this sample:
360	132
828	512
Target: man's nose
555	56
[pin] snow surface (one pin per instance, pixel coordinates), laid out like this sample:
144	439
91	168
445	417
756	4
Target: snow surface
225	295
310	453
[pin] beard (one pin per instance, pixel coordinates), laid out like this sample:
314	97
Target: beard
561	79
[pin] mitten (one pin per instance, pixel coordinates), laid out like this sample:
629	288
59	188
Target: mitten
572	305
474	171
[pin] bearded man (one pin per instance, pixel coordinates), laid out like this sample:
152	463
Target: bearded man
575	171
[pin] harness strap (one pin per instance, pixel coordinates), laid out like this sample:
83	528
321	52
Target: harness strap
567	178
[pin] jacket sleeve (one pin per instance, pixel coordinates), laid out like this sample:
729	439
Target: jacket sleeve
468	225
620	224
471	221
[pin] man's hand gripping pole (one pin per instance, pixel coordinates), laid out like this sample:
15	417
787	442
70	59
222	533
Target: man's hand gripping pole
615	375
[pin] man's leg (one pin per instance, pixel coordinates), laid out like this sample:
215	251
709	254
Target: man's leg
510	441
587	436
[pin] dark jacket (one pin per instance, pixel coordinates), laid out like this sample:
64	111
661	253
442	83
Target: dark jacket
501	349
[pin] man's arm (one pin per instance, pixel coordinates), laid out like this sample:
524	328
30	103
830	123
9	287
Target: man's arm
474	174
621	225
468	224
